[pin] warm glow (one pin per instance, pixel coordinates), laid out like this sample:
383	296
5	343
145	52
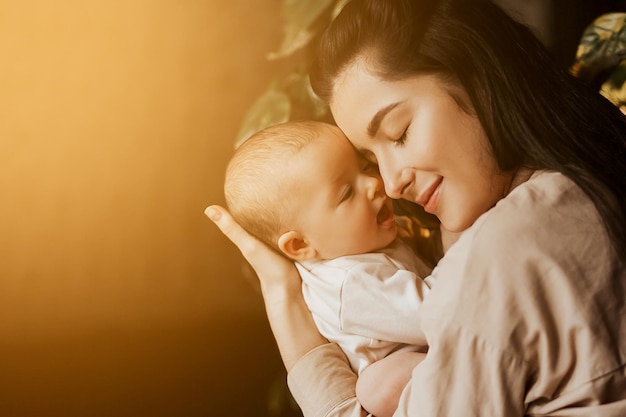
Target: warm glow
116	122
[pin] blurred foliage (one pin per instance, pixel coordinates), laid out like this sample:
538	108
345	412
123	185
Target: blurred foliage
289	95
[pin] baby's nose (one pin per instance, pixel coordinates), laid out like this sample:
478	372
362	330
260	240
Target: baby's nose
373	188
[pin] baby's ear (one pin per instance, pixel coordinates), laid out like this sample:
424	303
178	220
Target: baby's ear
295	246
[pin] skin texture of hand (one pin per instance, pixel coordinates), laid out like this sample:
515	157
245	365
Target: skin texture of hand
291	321
273	269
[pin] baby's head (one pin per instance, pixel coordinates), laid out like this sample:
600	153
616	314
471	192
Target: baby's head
261	181
302	189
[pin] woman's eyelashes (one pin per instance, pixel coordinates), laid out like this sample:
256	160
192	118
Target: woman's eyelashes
400	141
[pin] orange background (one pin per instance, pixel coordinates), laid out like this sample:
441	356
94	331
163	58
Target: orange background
117	296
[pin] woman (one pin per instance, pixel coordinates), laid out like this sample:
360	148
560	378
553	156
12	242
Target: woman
465	114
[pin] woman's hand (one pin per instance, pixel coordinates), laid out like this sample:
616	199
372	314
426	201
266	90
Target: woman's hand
276	272
291	321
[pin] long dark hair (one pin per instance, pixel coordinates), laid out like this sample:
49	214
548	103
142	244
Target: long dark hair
534	113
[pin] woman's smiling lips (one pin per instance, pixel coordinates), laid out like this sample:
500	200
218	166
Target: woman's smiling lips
430	197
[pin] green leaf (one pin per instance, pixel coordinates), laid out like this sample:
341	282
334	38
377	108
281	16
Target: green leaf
271	108
337	8
301	91
299	16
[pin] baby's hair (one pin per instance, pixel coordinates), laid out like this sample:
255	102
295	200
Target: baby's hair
258	183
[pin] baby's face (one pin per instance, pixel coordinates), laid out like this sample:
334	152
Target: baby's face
341	202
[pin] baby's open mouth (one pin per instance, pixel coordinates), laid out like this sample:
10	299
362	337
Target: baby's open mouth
385	215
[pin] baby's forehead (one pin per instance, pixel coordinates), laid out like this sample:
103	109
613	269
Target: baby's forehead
333	133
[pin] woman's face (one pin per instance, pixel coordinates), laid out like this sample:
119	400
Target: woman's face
429	150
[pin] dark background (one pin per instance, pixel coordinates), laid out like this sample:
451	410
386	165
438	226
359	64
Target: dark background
117	118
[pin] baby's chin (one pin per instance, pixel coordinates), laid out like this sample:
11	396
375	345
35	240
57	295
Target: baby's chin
391	233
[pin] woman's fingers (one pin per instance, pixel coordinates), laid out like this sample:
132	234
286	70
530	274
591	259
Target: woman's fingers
268	264
233	231
288	314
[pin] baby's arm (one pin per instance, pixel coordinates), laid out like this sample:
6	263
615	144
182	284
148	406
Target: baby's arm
379	386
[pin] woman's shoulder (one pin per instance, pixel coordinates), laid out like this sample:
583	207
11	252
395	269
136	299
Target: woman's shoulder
541	211
545	188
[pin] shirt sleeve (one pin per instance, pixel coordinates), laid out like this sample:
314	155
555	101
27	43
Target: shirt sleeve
456	361
381	301
323	384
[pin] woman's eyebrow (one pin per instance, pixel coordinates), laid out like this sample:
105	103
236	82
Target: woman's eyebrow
374	125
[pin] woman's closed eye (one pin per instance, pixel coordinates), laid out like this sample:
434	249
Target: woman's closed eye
401	140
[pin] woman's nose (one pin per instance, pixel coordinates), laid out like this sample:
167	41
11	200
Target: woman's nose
393	183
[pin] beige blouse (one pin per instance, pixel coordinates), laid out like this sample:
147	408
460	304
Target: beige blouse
527	318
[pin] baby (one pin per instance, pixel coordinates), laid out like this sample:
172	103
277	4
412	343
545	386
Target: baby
303	189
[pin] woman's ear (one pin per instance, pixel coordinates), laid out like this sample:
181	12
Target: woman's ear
295	246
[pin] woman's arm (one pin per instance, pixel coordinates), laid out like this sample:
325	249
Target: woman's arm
290	319
320	377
